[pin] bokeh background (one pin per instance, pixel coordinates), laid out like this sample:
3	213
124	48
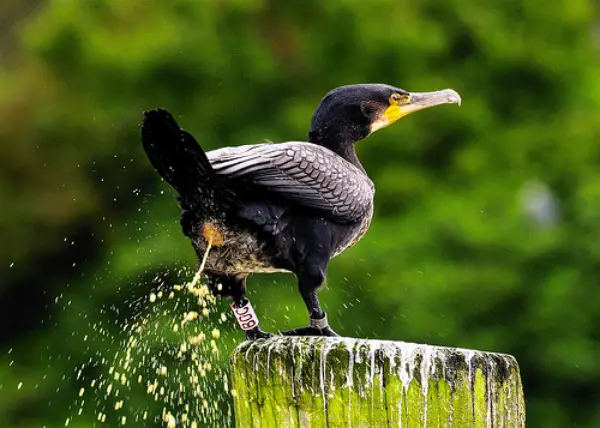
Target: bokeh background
487	223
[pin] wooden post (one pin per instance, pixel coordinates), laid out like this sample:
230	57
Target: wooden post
342	382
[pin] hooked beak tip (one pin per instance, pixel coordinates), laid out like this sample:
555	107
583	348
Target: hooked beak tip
453	97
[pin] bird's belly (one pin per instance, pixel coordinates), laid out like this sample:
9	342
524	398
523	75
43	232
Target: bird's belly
240	252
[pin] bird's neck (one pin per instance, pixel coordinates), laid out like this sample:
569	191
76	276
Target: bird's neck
340	145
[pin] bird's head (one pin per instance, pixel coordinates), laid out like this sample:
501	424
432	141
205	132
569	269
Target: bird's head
350	113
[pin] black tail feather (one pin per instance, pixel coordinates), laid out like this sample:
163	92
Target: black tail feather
176	155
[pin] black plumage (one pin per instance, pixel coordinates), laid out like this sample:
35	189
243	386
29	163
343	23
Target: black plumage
281	207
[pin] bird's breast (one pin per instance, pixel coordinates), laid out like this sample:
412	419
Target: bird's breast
355	234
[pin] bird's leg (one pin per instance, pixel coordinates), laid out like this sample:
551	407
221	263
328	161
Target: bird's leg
235	286
317	318
244	312
319	326
247	319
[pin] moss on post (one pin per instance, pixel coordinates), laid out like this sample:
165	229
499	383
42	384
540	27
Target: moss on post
342	382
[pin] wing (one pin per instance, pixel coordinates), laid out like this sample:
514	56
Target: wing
303	173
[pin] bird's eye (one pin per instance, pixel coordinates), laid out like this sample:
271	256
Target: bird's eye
395	99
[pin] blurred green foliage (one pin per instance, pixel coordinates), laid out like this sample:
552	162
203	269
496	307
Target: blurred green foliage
458	253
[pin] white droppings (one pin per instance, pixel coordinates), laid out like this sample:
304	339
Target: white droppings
469	355
427	356
322	379
350	380
489	385
268	358
298	370
408	356
372	359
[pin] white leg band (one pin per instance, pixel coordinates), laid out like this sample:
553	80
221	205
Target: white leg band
320	324
245	316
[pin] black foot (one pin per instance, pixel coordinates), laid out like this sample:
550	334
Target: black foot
257	333
311	331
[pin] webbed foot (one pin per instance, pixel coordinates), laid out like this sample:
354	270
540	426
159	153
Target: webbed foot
311	331
257	333
318	327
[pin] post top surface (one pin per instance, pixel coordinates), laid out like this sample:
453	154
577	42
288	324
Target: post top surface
327	343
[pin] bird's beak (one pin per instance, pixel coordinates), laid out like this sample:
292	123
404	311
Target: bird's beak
420	100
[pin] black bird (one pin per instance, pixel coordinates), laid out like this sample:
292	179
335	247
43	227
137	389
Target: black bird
280	207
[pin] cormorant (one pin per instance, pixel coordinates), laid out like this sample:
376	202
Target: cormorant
280	207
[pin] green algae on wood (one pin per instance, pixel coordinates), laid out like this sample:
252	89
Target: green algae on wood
343	382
